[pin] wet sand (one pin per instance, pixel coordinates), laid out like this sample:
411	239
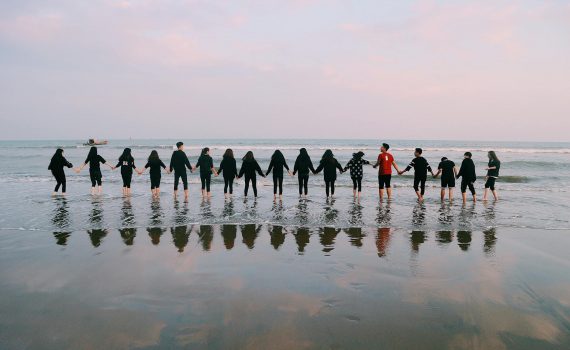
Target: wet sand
273	287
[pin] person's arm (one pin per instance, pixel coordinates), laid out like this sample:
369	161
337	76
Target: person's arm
429	168
311	167
118	164
348	165
78	170
295	166
171	162
460	173
455	172
437	174
187	163
319	168
221	168
144	169
339	167
241	170
364	161
133	165
395	165
102	160
212	168
258	169
408	168
270	167
67	164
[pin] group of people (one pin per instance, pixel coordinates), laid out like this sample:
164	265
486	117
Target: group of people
303	167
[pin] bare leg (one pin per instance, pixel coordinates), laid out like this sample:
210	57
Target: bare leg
381	193
443	193
100	189
496	195
186	195
485	194
175	193
464	195
389	193
451	194
93	190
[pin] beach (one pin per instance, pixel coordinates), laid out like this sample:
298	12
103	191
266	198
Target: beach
113	272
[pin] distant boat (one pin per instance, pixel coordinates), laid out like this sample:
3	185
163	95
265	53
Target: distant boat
94	142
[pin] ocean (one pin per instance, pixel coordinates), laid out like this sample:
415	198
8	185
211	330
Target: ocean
110	272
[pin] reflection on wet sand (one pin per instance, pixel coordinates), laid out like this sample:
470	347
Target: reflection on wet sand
277	236
464	240
128	235
490	241
180	237
249	234
384	214
206	235
61	221
383	241
302	237
355	235
444	237
417	238
155	233
327	238
229	234
127	215
96	236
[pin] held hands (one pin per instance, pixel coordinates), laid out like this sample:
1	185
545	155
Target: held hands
289	172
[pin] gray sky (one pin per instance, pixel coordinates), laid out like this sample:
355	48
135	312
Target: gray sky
484	70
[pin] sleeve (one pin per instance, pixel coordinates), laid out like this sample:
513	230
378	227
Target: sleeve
133	164
285	165
296	165
67	164
364	161
348	165
211	162
171	161
440	166
221	166
87	160
102	160
258	168
148	165
197	162
50	164
411	165
270	167
429	167
319	168
338	166
187	162
241	170
118	164
162	165
311	166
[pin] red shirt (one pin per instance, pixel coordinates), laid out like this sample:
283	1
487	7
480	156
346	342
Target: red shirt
385	161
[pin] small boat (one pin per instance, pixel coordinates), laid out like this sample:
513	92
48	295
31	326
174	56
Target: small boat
94	142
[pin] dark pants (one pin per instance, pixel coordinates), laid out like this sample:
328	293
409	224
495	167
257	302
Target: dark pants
465	184
278	182
303	184
229	184
420	182
155	181
96	177
127	177
357	183
490	183
60	179
253	180
329	186
206	179
177	177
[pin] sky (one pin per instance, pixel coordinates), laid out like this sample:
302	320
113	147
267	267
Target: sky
458	70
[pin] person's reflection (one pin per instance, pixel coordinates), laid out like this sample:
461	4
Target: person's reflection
155	213
277	236
249	234
97	236
180	236
278	211
250	210
180	213
489	213
61	237
327	237
228	208
384	214
128	235
127	216
302	238
419	214
206	235
445	216
155	233
490	237
302	214
355	236
464	240
355	214
60	217
96	214
417	238
206	210
331	213
383	241
443	238
229	233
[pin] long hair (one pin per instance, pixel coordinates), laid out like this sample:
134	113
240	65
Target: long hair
493	156
327	156
57	155
205	150
92	152
229	153
358	155
303	154
278	156
126	156
153	156
248	156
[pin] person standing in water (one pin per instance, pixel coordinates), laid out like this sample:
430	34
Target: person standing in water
57	165
421	167
178	163
228	169
206	165
468	177
385	162
356	171
154	164
277	164
303	166
448	173
249	167
127	164
329	164
95	175
492	175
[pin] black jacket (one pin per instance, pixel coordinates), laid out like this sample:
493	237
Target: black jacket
229	168
179	162
467	170
329	166
249	167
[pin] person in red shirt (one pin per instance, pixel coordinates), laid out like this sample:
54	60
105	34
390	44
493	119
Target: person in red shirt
385	162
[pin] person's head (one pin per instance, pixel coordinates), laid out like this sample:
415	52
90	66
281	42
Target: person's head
229	153
468	155
493	156
153	155
385	147
180	145
248	156
126	154
303	152
58	153
358	155
92	152
418	152
205	151
277	156
443	159
328	155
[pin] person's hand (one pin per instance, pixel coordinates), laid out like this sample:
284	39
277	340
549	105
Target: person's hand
77	170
